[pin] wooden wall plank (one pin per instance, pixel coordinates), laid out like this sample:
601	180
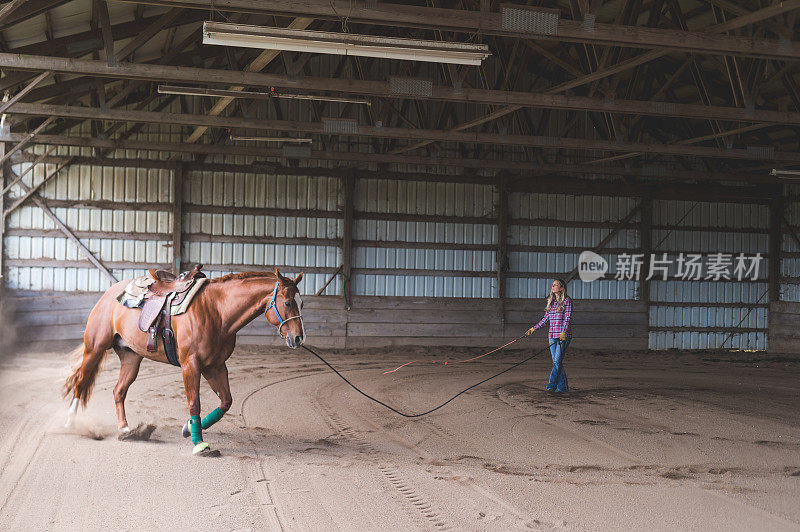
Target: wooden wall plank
380	322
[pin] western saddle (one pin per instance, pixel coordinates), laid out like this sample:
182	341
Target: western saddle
166	290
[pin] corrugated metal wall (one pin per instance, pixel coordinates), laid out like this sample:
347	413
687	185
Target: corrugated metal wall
411	238
577	223
235	242
688	314
124	239
428	269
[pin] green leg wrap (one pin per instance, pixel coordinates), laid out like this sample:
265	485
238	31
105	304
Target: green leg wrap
196	428
213	417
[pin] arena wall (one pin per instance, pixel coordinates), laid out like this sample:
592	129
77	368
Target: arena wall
374	322
407	236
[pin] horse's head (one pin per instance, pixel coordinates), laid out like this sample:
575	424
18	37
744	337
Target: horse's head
284	310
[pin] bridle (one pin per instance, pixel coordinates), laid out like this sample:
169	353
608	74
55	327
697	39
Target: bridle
272	305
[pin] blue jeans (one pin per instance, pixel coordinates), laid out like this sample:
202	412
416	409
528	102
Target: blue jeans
558	377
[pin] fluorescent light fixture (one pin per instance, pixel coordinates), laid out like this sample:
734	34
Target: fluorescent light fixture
785	173
273	139
325	42
254	95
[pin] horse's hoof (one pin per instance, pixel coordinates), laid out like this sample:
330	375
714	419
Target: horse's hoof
203	449
200	447
124	429
185	431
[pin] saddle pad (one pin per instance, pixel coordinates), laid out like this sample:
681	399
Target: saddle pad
136	292
181	307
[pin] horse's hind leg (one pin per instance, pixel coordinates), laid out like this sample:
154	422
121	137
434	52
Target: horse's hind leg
80	383
129	369
97	338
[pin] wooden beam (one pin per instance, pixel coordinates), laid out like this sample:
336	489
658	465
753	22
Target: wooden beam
105	28
159	24
30	168
67	232
257	65
646	242
3	172
21	94
91	40
330	280
28	138
177	217
502	264
513	99
118	235
8	8
348	197
31	8
392	132
531	171
776	217
492	24
32	190
501	258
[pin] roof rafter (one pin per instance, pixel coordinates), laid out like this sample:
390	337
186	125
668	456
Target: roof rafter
491	24
401	133
207	76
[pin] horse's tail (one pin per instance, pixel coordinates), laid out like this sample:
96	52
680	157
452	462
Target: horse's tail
86	366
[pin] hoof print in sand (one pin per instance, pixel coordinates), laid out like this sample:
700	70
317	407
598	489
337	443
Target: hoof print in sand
141	433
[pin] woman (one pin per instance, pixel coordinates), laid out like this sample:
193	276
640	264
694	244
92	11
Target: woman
559	313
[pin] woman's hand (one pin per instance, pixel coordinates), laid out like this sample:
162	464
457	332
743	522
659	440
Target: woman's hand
562	336
530	331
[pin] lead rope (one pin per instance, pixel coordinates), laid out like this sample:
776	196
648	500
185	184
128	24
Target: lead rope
353	386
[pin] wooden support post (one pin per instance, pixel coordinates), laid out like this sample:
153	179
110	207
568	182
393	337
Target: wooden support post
177	217
348	196
646	241
775	240
105	29
3	278
777	217
503	192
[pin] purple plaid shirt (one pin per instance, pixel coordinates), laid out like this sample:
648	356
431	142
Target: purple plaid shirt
559	320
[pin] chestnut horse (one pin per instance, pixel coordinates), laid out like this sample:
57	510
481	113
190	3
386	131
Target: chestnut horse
205	335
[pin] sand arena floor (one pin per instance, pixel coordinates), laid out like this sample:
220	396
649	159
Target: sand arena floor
645	441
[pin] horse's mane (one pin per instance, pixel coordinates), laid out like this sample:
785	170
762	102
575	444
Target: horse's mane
242	275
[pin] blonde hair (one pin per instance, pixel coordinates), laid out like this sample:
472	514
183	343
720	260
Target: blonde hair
558	298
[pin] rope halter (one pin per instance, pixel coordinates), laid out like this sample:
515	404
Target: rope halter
273	305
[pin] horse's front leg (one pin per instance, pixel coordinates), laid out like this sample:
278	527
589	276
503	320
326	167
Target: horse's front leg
217	378
191	383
